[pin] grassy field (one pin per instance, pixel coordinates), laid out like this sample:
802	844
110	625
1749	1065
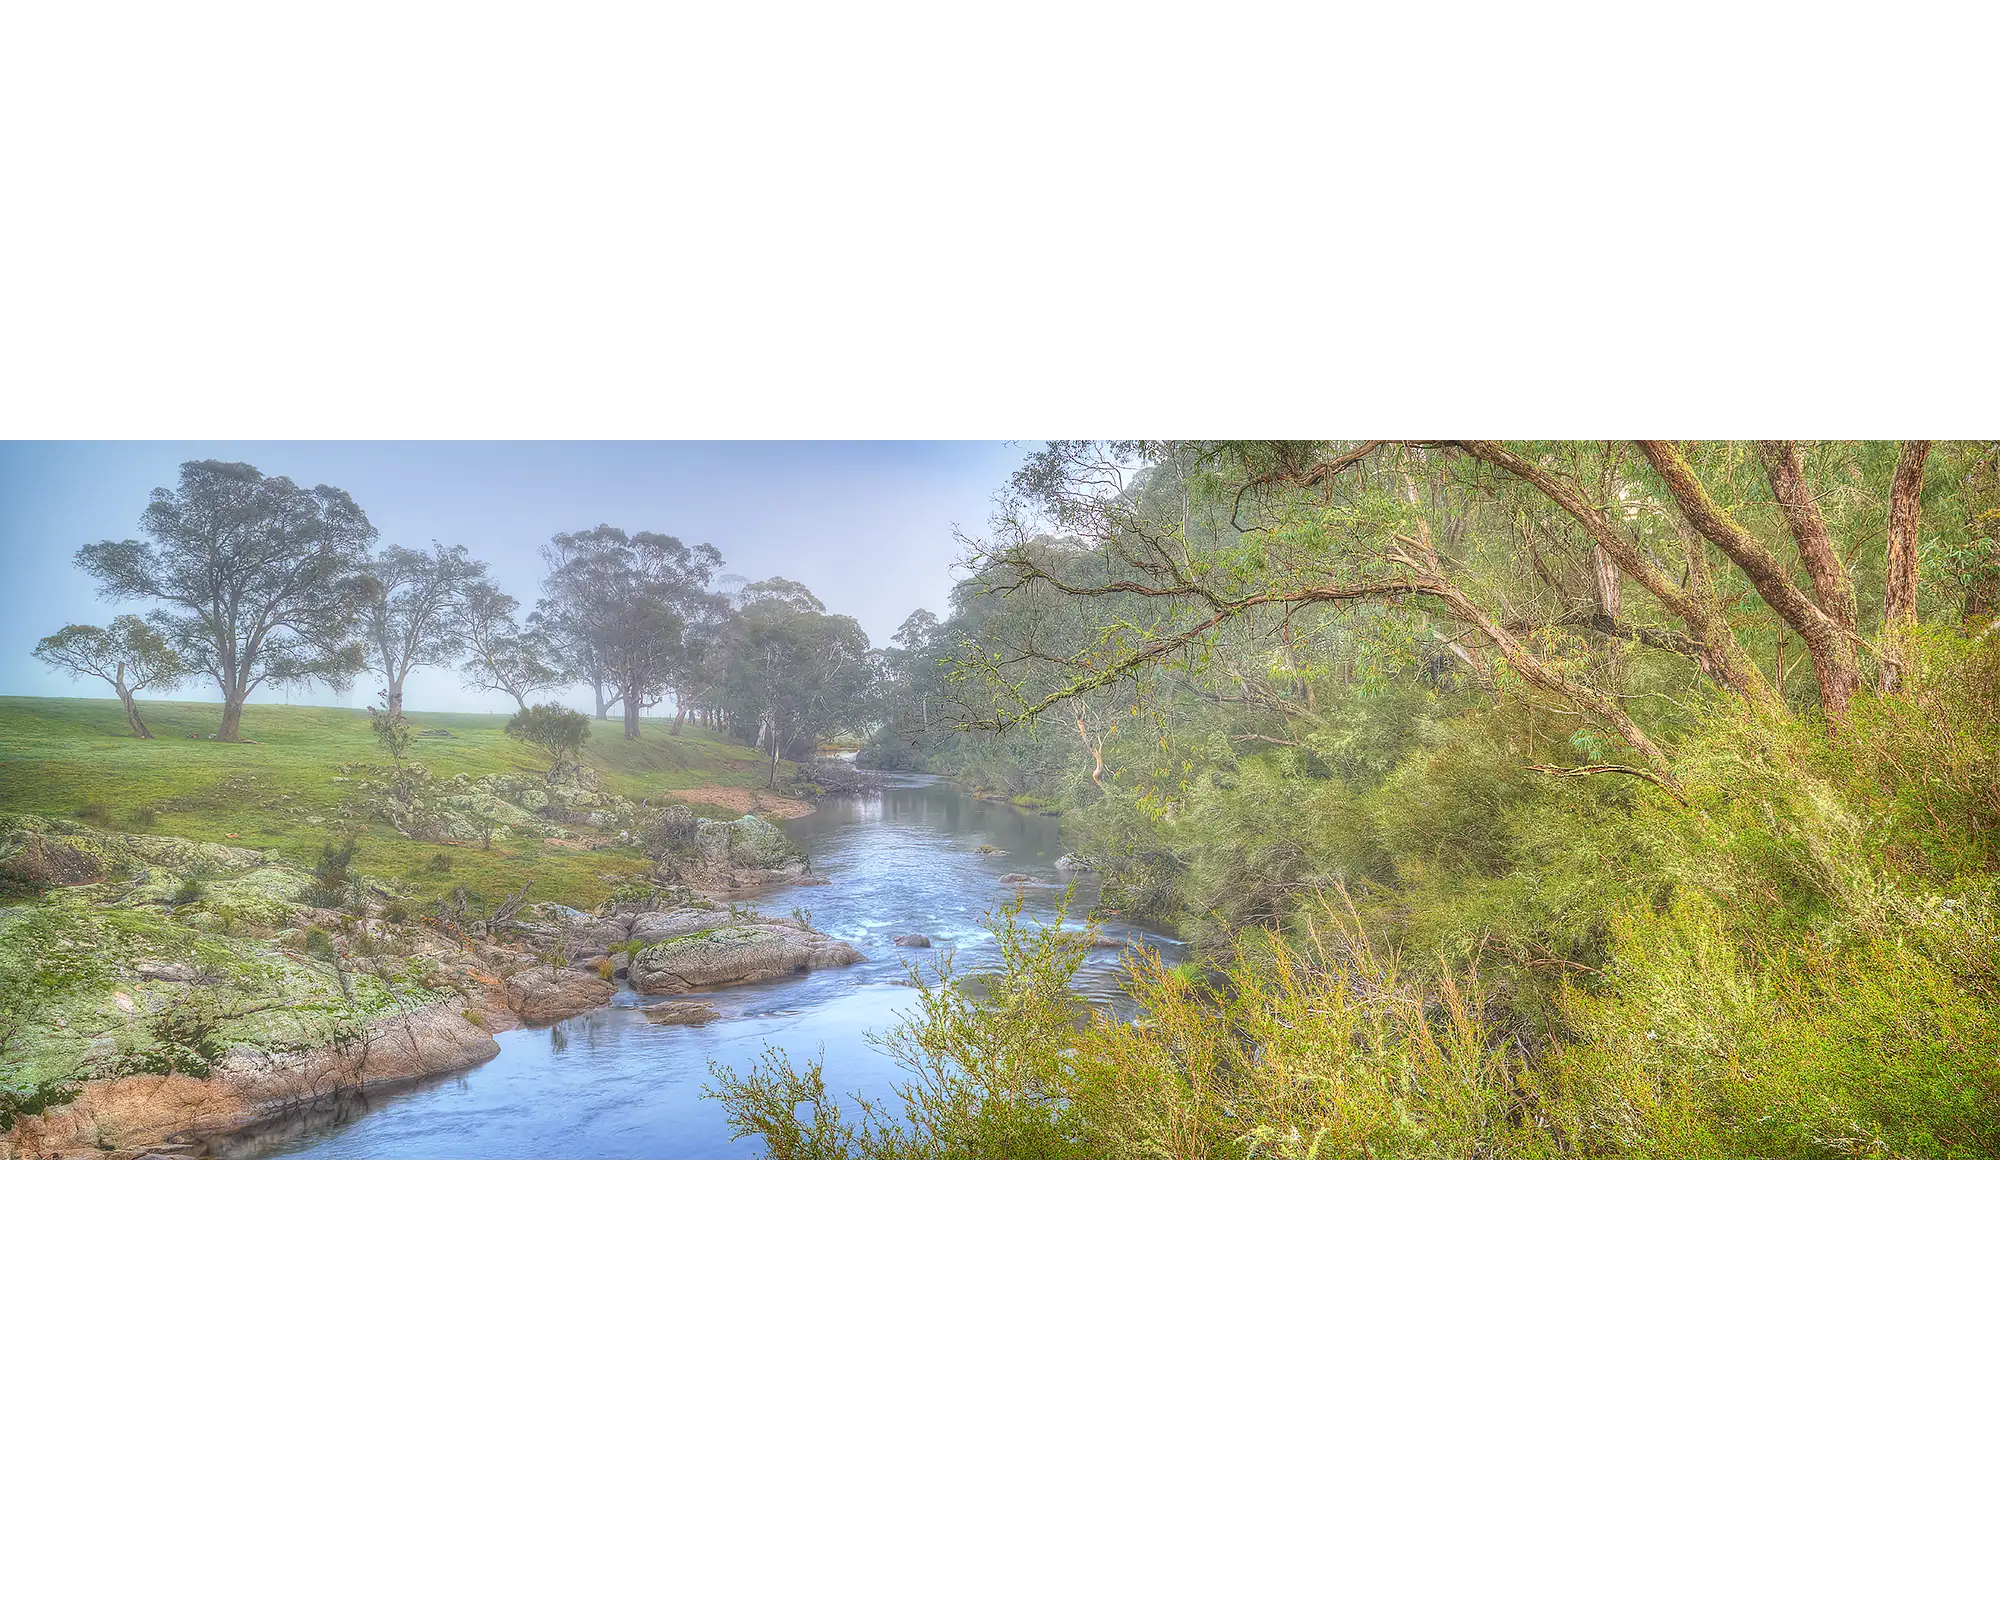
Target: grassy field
282	789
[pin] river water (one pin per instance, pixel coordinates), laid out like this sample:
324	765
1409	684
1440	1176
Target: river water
613	1084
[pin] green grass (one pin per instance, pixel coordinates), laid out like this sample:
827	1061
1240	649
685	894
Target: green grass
63	757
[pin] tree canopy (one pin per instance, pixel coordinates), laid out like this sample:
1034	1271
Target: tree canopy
131	655
259	580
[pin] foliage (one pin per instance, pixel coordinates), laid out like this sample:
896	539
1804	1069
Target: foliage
1482	855
558	732
412	612
618	609
259	581
795	674
499	654
333	882
131	655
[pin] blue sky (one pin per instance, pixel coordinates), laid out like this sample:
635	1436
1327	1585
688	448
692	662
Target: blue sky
868	527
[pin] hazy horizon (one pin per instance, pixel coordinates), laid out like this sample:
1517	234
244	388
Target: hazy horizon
867	526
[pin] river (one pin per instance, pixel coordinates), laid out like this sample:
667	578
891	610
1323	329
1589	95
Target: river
614	1084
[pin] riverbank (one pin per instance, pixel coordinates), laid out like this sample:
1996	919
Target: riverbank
158	991
913	859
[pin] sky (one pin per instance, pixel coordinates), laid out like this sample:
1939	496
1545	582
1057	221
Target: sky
866	526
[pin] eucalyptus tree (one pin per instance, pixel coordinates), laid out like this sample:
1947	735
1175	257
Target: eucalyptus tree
795	673
261	581
500	656
701	660
619	608
130	655
413	613
1497	552
567	618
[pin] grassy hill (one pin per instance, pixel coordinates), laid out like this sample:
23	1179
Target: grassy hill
283	789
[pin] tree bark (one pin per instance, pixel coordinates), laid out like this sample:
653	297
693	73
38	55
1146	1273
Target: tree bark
230	732
631	716
1724	660
1830	646
131	706
1784	469
1899	590
1609	600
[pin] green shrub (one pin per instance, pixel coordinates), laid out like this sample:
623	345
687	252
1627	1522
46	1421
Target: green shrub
333	876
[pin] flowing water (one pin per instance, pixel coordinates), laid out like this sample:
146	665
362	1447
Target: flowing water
613	1083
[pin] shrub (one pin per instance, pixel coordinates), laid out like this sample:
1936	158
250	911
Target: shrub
558	732
333	876
188	893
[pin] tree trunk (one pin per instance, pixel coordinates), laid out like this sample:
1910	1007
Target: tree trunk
631	716
1831	647
232	718
139	728
394	698
1722	657
771	782
1610	598
1899	590
1784	468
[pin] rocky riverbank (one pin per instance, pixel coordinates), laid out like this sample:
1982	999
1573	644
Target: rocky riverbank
159	992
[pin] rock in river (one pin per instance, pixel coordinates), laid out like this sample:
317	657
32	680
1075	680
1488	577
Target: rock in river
913	941
692	1012
739	952
538	995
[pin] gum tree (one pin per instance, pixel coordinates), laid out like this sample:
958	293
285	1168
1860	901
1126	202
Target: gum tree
412	616
130	655
501	657
622	609
260	581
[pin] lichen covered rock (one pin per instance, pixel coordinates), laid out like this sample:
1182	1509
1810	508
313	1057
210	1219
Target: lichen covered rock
738	952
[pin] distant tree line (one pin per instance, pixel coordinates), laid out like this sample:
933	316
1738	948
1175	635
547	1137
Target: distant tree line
255	580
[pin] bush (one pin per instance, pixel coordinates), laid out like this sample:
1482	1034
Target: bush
558	732
188	893
94	812
333	876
